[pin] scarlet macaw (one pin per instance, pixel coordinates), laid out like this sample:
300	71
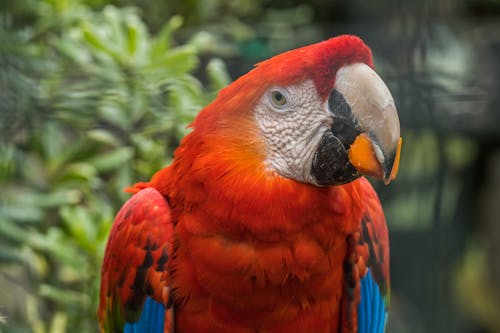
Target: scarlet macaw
262	223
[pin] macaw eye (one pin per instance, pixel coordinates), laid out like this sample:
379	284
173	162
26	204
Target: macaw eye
278	98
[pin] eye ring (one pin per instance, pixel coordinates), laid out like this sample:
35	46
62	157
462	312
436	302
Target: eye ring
278	98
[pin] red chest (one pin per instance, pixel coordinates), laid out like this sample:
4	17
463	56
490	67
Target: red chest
264	254
223	281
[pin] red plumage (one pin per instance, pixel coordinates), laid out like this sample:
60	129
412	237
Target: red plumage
248	249
135	264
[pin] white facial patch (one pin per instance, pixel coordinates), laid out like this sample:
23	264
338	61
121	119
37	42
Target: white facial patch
292	128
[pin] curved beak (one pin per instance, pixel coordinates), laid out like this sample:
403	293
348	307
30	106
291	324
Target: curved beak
376	148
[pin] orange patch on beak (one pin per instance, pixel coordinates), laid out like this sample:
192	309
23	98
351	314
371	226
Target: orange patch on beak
395	166
363	158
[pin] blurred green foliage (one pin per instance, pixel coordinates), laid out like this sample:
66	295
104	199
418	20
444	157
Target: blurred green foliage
93	102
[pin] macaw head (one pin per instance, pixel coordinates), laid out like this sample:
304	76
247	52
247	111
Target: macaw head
319	114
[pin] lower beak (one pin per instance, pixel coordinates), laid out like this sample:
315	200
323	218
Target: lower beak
368	159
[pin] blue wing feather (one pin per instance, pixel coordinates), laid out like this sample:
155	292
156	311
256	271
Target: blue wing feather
152	319
372	313
159	325
362	310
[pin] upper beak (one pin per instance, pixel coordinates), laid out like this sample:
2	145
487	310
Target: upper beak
376	149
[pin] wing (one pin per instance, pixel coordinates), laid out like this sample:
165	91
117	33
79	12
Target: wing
135	296
367	270
374	244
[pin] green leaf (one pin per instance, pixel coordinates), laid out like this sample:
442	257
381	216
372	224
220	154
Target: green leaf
55	243
11	231
21	213
70	49
217	74
10	254
113	25
115	115
162	42
132	39
8	160
59	322
123	180
63	296
175	62
81	225
34	169
79	172
95	39
57	198
23	197
52	139
103	136
112	160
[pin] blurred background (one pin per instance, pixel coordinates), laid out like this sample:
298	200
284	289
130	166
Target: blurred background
95	95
